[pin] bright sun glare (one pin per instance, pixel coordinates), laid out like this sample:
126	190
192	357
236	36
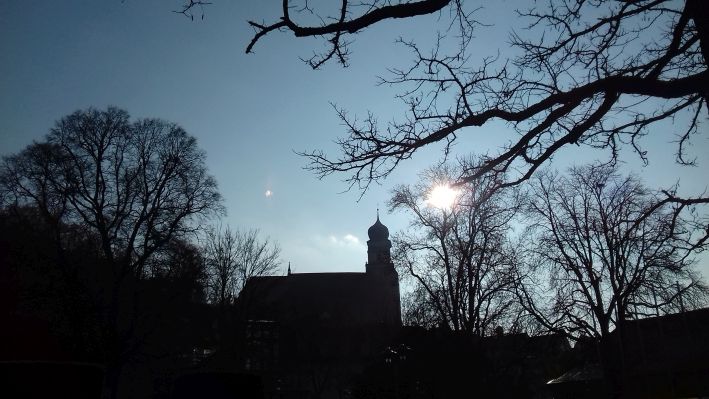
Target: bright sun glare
442	196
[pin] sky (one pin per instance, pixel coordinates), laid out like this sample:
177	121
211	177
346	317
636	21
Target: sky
249	112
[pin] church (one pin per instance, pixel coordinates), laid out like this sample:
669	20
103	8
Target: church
309	334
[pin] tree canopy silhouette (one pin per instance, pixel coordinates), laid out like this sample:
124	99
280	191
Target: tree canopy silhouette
135	184
459	259
234	256
596	74
605	249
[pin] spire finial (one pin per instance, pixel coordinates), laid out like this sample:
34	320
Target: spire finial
377	211
289	268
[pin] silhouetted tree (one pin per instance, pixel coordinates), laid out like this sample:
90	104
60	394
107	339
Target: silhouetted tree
135	186
235	256
600	74
610	250
220	250
460	256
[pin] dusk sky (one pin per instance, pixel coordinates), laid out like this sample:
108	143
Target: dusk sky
250	112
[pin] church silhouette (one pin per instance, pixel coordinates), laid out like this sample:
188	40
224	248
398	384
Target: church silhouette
310	333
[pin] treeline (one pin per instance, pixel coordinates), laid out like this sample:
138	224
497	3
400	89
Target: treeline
574	253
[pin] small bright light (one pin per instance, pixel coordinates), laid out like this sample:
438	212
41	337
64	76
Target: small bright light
268	193
442	197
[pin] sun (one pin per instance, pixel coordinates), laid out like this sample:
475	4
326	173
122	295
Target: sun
442	196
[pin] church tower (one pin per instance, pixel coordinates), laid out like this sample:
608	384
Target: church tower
383	275
379	248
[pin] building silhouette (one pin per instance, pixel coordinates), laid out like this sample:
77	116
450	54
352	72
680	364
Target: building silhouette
309	334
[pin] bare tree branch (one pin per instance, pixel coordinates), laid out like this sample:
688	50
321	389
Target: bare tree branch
595	74
373	14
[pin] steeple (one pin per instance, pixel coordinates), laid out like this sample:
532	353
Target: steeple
378	247
382	274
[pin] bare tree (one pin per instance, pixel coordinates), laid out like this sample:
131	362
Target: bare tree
598	74
610	251
135	186
458	257
220	249
235	256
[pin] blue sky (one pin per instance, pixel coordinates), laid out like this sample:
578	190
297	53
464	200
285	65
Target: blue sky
249	112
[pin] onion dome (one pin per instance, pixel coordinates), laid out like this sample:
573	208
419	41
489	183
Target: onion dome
378	231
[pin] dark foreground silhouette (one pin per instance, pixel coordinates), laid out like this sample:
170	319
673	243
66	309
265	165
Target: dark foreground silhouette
37	379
